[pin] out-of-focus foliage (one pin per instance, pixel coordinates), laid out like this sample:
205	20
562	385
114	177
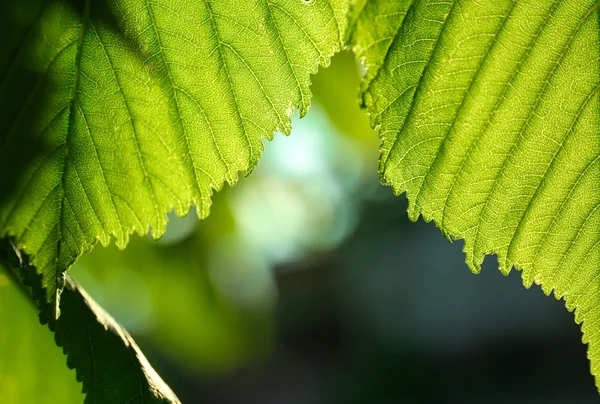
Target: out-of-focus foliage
165	294
32	368
335	89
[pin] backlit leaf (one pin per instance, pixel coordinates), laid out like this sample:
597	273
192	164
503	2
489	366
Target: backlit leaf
115	112
489	116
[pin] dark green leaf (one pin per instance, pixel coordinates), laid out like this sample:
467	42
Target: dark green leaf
107	360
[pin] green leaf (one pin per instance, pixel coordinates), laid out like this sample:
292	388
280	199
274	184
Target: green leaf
489	118
109	363
130	108
107	360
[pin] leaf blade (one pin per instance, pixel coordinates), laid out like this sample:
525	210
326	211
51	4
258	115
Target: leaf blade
489	121
141	107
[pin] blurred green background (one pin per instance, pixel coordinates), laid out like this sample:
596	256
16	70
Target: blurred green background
307	284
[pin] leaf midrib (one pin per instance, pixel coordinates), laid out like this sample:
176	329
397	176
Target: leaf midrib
73	102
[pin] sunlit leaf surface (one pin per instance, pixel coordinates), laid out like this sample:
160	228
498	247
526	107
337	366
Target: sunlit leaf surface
132	108
489	116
